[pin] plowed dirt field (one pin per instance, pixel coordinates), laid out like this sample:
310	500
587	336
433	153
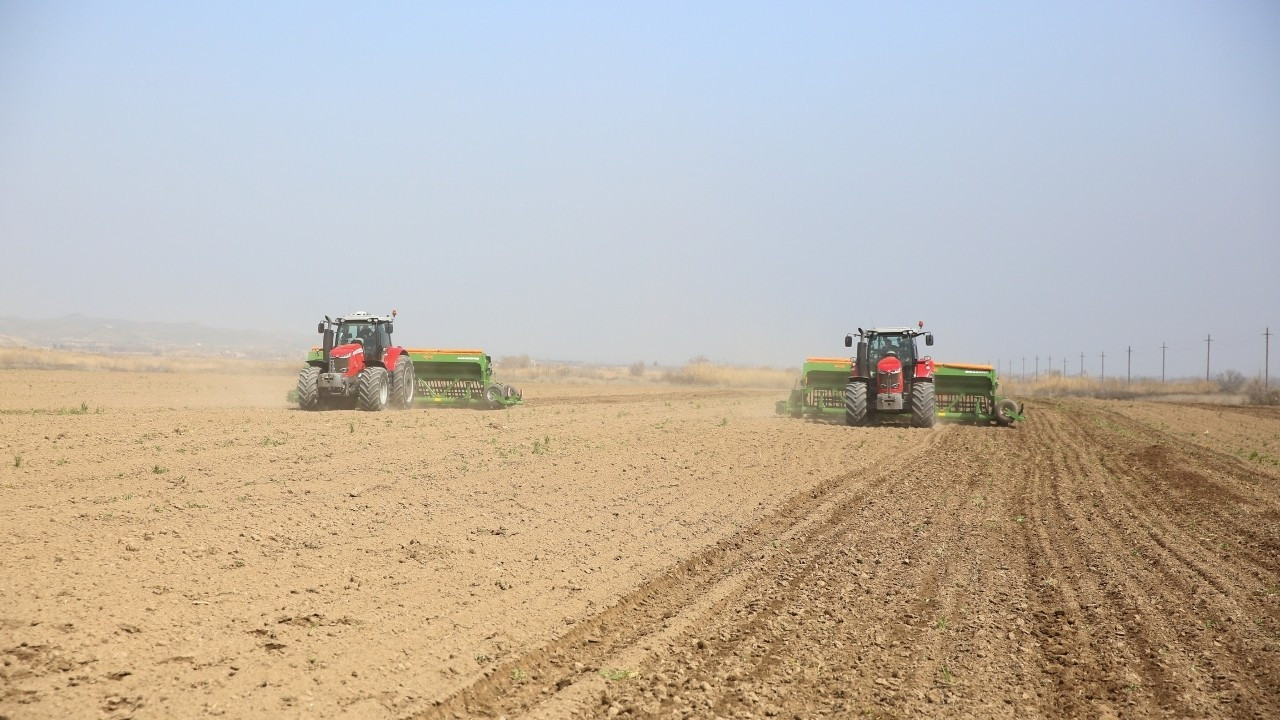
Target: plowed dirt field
178	545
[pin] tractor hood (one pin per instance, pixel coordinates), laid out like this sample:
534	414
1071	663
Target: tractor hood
346	351
889	364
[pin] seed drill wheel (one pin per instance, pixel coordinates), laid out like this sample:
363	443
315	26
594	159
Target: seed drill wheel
493	395
373	390
308	388
1006	411
403	383
855	403
924	411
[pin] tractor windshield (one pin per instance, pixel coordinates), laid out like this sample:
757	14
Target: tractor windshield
901	346
350	332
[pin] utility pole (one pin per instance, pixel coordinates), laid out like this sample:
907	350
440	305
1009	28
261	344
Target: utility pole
1104	368
1064	366
1266	364
1162	349
1037	367
1081	364
1128	367
1024	367
1208	344
1048	365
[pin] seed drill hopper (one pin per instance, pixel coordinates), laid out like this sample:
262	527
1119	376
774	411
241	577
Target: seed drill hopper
820	389
460	378
970	393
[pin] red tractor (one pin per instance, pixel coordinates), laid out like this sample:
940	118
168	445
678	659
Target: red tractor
890	377
357	366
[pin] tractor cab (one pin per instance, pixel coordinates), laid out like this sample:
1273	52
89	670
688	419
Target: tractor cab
898	345
372	337
890	376
877	345
371	334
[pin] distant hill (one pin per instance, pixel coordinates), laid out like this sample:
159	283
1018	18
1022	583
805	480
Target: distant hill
82	333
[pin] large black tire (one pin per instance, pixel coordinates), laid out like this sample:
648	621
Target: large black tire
373	390
403	384
855	404
924	410
308	388
1006	411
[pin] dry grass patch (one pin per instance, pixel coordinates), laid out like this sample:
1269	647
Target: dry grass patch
706	373
43	359
521	369
1056	385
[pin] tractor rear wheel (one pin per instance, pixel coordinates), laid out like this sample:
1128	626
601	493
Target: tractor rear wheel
855	403
402	383
1006	411
372	391
308	388
924	411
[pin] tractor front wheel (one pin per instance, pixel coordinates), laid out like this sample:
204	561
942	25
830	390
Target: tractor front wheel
372	391
924	411
402	383
855	403
308	388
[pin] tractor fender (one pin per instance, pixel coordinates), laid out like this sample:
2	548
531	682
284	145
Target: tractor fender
392	356
923	369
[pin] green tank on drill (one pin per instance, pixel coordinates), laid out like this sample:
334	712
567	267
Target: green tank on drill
459	377
819	391
971	393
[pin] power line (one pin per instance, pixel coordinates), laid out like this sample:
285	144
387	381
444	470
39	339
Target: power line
1208	344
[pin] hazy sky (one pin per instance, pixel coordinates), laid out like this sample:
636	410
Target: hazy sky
658	180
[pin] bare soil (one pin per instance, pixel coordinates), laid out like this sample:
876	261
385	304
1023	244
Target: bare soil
182	545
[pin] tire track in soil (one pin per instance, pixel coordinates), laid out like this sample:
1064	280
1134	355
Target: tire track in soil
1225	498
985	573
1202	483
1192	483
1075	623
1164	644
520	684
1254	411
684	397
